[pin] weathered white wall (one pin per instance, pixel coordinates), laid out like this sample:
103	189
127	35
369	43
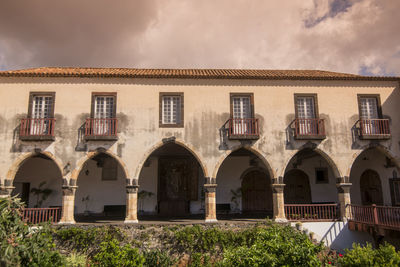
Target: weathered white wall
36	171
374	160
148	181
100	192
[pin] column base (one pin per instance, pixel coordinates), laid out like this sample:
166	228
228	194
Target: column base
66	222
280	220
131	221
211	220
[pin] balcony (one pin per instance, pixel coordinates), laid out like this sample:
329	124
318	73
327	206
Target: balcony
374	129
306	129
101	129
37	129
243	129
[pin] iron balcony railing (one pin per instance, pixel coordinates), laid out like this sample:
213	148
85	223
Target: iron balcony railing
374	128
385	217
106	127
312	212
247	128
31	127
309	127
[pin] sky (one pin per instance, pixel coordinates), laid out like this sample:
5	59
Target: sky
353	36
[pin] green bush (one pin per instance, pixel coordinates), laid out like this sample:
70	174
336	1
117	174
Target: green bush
111	254
158	258
274	246
199	260
21	245
385	255
76	260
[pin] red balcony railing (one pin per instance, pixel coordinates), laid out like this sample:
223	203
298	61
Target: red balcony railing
386	217
39	215
101	127
311	212
37	127
374	128
309	127
244	128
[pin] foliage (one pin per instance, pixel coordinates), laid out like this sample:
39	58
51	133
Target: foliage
87	240
274	246
158	258
199	260
76	260
21	245
113	255
41	194
385	255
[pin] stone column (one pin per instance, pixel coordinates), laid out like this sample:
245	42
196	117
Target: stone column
343	185
131	201
210	200
68	202
278	200
6	188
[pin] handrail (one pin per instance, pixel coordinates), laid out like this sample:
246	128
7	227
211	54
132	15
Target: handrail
375	127
101	127
243	127
39	215
309	127
37	127
311	212
387	217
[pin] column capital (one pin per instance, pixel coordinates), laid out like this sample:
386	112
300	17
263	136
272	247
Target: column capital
278	188
209	188
344	187
132	189
5	191
69	190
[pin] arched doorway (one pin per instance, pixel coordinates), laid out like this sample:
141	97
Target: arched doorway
297	187
171	183
244	185
101	192
256	191
38	182
371	188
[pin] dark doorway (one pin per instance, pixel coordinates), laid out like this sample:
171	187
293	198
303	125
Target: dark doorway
370	188
177	185
256	192
297	188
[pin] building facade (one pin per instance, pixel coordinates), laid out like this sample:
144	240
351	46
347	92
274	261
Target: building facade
184	142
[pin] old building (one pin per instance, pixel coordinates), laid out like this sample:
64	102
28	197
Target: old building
184	142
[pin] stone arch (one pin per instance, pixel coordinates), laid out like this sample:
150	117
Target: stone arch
81	162
177	142
322	153
255	151
22	158
384	150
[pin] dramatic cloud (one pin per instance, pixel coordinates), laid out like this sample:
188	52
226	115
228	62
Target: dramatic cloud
357	36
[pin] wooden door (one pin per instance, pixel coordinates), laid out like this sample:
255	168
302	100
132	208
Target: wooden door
297	188
178	184
256	191
370	188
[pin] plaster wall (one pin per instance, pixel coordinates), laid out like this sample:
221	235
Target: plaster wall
206	109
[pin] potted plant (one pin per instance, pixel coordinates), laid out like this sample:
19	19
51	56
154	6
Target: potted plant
141	196
299	226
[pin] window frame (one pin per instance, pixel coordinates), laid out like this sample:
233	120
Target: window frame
41	93
392	181
251	95
314	96
105	94
182	115
378	103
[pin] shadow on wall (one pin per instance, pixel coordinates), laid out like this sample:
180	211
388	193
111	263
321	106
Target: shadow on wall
337	235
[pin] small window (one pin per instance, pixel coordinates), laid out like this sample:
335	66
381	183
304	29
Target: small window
321	176
306	106
41	105
369	106
103	105
171	110
242	106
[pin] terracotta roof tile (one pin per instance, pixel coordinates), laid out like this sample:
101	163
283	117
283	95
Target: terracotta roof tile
189	73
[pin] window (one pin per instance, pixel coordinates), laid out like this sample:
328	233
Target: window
307	122
371	123
321	176
395	191
41	113
103	122
171	110
305	107
368	107
241	107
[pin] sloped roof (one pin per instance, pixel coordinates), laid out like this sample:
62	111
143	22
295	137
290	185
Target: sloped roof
189	73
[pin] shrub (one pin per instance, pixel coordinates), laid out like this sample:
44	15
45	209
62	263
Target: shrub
199	260
158	258
274	246
21	245
111	254
385	255
76	260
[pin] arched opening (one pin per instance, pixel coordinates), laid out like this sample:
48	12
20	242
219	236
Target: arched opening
374	177
171	182
244	185
38	182
310	179
297	187
371	188
101	192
